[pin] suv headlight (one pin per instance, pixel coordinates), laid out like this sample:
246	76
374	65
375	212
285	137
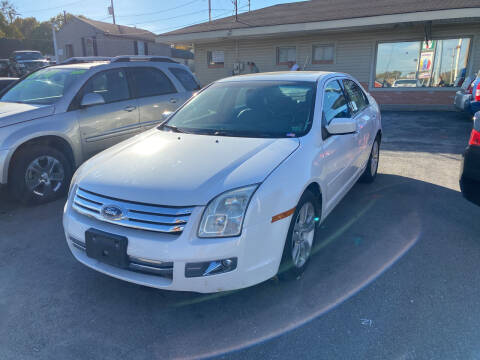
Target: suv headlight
224	215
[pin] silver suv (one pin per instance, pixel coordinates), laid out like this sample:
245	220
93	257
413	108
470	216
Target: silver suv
59	116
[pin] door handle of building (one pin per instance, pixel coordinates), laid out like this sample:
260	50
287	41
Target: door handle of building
173	100
129	108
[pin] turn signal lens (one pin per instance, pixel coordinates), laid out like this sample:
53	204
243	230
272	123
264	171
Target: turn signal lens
474	138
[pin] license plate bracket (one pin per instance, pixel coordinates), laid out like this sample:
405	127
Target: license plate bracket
108	248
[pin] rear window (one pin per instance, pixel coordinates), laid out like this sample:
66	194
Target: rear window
185	78
151	82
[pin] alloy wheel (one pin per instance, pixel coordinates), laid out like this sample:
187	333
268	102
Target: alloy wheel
303	234
375	157
44	175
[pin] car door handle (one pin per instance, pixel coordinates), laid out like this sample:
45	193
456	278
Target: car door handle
129	108
173	100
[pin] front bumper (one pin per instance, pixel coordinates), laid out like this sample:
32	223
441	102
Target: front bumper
256	262
462	101
3	166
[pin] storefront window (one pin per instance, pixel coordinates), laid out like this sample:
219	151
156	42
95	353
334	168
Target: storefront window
436	63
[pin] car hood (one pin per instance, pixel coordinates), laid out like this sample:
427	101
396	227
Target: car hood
13	113
174	169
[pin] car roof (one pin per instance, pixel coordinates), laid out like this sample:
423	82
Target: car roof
87	65
21	51
312	76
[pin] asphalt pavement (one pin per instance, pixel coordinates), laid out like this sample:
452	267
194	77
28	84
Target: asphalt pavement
394	276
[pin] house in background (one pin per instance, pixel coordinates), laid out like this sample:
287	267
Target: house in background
184	57
407	54
85	37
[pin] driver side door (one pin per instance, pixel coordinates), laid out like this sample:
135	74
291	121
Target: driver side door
104	125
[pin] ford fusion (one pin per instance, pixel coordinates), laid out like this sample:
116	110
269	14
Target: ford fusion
230	189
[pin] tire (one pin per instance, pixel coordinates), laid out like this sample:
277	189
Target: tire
291	268
370	172
39	174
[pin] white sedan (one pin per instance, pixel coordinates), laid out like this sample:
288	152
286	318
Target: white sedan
230	189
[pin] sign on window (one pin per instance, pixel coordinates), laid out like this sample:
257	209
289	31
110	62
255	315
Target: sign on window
218	56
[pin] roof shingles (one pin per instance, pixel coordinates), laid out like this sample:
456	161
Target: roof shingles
119	30
323	10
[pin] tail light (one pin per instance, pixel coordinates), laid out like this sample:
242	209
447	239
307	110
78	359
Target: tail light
477	92
474	138
470	88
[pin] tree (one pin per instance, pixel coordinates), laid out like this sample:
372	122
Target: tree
8	10
59	20
26	26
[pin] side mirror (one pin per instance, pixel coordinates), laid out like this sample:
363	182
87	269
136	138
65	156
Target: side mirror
166	114
92	99
339	126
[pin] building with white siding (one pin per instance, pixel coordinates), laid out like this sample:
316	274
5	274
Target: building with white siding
85	37
408	54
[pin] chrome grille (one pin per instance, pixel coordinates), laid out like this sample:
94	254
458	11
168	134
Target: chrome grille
148	217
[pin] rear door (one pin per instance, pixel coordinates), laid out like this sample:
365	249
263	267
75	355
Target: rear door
365	117
338	150
106	124
155	94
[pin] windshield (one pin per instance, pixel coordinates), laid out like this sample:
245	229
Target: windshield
43	87
248	108
29	56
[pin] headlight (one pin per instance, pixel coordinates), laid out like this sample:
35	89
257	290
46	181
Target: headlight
224	215
73	183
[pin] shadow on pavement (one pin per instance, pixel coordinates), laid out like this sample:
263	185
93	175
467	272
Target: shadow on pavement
434	131
61	308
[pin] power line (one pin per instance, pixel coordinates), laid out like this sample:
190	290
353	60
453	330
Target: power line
173	17
197	22
56	7
161	11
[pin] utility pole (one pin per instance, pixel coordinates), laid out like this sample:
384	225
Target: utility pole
248	5
236	10
64	17
54	36
113	11
209	11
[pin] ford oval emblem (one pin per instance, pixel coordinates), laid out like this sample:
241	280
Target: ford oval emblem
112	212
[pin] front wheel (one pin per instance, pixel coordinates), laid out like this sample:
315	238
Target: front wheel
370	172
40	174
301	237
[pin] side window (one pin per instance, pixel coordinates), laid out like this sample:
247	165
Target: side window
358	100
111	84
151	82
186	79
334	103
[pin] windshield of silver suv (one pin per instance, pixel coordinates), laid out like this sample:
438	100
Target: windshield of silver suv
29	56
248	108
43	87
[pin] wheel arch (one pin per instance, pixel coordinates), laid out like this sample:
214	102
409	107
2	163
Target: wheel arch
54	141
315	188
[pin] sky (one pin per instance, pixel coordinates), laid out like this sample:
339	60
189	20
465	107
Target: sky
157	16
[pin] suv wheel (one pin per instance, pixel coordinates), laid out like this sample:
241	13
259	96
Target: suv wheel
40	174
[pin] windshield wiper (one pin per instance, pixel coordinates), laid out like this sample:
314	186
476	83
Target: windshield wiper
174	128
